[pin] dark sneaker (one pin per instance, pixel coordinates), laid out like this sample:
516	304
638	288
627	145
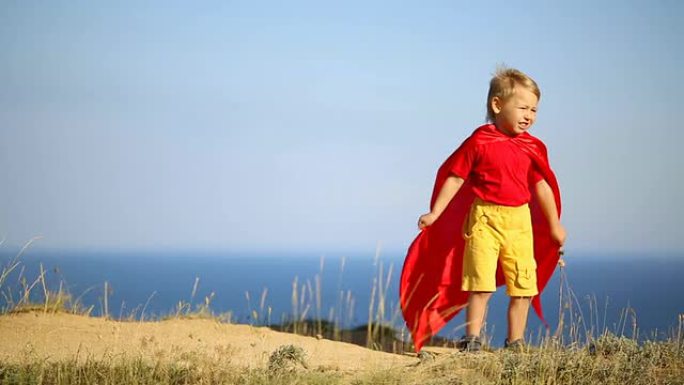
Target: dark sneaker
469	344
516	345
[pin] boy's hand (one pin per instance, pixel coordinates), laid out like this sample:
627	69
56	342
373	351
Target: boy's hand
558	234
426	220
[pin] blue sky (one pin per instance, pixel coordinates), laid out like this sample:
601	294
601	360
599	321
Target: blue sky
317	127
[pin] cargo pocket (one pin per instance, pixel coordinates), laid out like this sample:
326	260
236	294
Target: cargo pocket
476	226
526	275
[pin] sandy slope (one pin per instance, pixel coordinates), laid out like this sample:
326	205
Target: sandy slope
65	336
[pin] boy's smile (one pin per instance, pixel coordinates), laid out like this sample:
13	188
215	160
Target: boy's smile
517	113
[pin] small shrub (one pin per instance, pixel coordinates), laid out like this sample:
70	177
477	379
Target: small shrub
287	358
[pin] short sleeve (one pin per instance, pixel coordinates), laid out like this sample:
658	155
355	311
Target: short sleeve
464	159
534	176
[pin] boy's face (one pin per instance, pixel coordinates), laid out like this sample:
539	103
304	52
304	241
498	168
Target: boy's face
517	113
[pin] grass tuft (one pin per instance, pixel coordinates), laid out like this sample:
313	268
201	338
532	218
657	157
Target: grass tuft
287	358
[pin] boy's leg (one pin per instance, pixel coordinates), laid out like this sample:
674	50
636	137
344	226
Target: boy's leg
480	256
475	313
519	269
517	317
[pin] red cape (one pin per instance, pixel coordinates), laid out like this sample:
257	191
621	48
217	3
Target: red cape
430	287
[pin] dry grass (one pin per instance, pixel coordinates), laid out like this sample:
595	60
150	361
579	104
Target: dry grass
578	353
610	360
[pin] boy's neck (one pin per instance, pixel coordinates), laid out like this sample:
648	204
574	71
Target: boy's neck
504	132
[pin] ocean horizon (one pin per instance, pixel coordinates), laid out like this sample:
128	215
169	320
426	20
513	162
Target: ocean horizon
619	293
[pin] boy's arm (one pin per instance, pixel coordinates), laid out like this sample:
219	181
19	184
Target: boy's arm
547	203
450	187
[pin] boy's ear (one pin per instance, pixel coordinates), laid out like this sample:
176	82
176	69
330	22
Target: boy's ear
496	104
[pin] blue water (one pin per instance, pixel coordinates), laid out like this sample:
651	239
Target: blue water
604	286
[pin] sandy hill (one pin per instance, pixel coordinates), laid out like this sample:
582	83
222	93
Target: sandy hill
66	336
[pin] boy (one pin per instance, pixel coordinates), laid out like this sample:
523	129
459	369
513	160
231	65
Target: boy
484	188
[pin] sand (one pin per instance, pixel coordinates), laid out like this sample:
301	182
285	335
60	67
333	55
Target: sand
63	336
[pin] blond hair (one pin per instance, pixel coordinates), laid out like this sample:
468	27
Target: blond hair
503	85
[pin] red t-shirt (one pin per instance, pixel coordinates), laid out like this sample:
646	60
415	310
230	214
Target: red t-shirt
500	171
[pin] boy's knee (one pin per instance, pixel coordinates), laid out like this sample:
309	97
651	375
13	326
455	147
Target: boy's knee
520	299
481	294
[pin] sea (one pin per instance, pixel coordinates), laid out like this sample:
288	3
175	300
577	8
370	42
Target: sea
638	296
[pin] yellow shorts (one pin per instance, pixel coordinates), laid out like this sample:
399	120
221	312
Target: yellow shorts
496	233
